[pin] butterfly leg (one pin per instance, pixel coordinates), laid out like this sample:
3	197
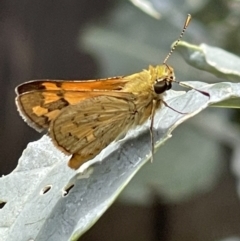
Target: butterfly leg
151	127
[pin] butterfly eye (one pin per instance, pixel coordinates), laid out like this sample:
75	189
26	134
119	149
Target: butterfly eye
162	86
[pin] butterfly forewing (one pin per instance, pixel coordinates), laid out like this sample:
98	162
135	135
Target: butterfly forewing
40	101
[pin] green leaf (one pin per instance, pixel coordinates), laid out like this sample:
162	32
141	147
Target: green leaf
230	103
211	59
39	205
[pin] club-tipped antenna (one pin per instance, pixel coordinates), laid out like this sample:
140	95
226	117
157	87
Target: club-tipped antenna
188	19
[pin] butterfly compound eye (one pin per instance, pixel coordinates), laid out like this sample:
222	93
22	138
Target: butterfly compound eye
162	86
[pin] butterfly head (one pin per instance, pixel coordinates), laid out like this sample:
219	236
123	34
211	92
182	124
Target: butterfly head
163	78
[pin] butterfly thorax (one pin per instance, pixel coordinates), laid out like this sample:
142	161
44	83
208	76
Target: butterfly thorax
144	81
148	86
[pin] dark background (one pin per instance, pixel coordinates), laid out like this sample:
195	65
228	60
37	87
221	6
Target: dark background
44	39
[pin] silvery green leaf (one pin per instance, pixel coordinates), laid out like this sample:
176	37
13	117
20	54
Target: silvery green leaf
46	200
211	59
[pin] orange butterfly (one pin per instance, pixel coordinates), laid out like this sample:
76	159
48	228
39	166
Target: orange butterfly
83	117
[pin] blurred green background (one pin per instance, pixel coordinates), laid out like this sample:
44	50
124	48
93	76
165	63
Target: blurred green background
190	191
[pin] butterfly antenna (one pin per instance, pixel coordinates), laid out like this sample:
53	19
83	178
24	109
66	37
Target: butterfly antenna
192	88
188	19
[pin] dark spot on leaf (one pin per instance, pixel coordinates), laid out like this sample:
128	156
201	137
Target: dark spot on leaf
2	204
67	190
46	189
